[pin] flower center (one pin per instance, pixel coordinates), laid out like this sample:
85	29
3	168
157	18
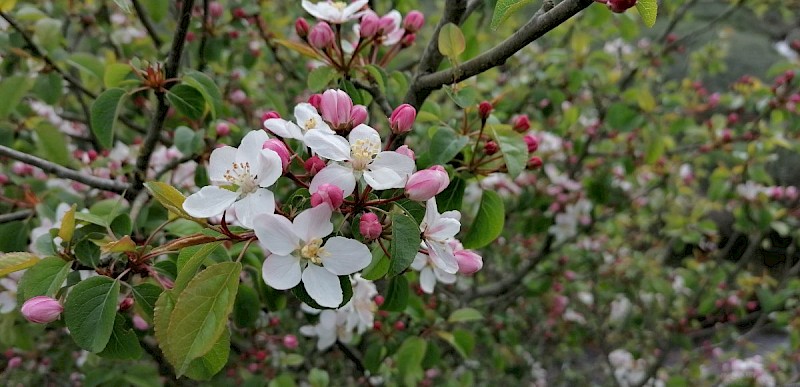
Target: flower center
313	251
362	152
310	123
339	5
240	176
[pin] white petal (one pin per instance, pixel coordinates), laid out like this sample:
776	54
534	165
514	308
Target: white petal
431	214
384	178
401	164
337	175
351	9
442	256
313	223
323	286
268	168
257	203
442	229
443	276
427	280
221	160
283	128
275	234
345	256
250	148
304	112
328	146
209	201
364	132
420	261
281	271
308	330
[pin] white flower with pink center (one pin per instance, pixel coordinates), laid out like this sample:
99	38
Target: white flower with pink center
438	230
336	12
299	254
307	119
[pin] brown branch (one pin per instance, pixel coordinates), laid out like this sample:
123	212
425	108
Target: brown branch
12	216
80	177
503	285
148	24
157	123
377	96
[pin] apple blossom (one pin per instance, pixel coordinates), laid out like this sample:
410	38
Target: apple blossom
430	273
41	309
328	194
427	183
240	177
308	121
414	21
361	156
279	148
298	254
437	232
369	24
336	12
369	226
321	36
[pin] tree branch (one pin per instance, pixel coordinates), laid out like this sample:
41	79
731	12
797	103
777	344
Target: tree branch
157	123
12	216
425	84
148	24
507	283
80	177
377	96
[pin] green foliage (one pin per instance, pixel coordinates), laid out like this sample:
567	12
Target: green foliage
105	110
89	314
187	100
43	279
405	243
503	9
451	41
16	261
488	223
648	10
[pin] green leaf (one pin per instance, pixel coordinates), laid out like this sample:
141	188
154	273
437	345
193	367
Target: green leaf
14	236
444	145
189	261
146	295
43	279
451	41
320	77
396	295
648	10
123	343
12	89
379	75
405	243
170	198
453	196
49	88
115	73
488	224
513	146
206	86
87	253
409	360
188	141
52	144
187	100
208	365
318	378
89	312
104	112
67	228
246	308
201	314
504	9
378	267
161	319
464	315
16	261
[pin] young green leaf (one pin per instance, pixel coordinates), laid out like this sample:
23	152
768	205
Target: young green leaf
320	77
187	100
451	41
12	89
67	225
396	295
513	147
16	261
104	112
206	86
504	9
123	344
146	295
89	312
648	10
488	224
409	360
405	243
189	261
43	279
444	145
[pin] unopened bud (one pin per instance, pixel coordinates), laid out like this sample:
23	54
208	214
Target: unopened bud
301	27
41	309
484	109
521	123
413	21
469	261
402	118
533	143
369	25
406	151
321	36
280	148
223	129
490	148
535	162
427	183
313	165
328	194
369	226
290	342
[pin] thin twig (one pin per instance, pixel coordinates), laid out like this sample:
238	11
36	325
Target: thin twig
12	216
80	177
148	24
377	96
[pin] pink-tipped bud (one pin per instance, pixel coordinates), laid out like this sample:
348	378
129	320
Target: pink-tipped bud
14	362
315	100
386	25
406	151
270	115
239	13
215	9
126	304
280	148
321	36
358	115
369	226
490	148
223	129
620	6
535	162
369	24
41	309
408	40
521	123
413	21
328	194
238	97
402	118
4	179
290	342
313	165
791	193
533	143
139	323
335	108
427	183
469	261
484	109
301	27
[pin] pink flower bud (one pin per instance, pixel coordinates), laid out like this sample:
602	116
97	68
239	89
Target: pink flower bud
139	323
238	97
313	165
321	36
491	148
335	108
402	118
620	6
301	27
315	100
21	169
369	25
469	261
408	40
223	129
369	226
215	9
280	148
270	115
427	183
329	194
290	342
406	151
358	115
126	304
41	309
413	21
4	179
533	143
386	25
484	109
535	162
521	123
14	362
776	193
239	13
791	193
